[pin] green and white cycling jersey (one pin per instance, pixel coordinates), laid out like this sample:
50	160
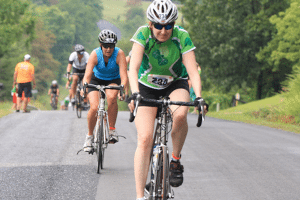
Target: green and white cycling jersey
162	63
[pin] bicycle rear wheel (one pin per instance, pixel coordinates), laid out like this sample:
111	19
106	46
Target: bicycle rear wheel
78	104
100	144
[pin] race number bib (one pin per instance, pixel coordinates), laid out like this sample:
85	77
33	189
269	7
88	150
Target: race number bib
160	80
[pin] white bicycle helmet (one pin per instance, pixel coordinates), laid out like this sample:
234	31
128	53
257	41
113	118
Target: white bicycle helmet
54	82
107	36
162	12
79	47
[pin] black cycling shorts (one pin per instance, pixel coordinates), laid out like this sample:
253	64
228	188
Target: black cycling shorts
79	71
26	87
97	81
150	93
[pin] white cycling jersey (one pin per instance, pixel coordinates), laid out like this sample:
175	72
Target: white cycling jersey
73	59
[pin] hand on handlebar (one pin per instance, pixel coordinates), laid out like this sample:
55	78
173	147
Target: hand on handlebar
199	102
121	94
83	91
131	103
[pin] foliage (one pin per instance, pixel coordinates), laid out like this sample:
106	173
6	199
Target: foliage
17	30
293	94
16	22
45	64
228	34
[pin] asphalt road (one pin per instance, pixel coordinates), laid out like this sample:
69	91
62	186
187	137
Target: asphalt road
223	160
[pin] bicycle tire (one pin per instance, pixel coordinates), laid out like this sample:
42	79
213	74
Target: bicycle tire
78	105
155	189
100	143
165	179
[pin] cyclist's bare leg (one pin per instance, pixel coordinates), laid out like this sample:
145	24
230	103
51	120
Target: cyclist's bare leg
180	126
74	86
91	117
144	122
112	106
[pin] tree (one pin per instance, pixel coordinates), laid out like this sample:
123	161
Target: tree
16	21
46	67
228	34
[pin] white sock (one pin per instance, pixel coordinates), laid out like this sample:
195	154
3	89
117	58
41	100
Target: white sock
143	198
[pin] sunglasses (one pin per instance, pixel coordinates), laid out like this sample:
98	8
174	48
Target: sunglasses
106	46
80	52
167	26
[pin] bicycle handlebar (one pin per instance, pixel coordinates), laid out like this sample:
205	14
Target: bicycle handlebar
166	102
103	87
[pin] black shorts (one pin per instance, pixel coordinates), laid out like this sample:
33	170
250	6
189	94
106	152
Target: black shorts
79	71
26	87
150	93
97	81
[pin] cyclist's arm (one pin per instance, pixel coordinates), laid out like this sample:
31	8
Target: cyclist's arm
49	91
92	62
135	63
69	67
57	92
189	61
121	61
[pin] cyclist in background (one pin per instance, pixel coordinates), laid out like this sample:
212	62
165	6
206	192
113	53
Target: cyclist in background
65	103
78	60
106	66
162	58
53	90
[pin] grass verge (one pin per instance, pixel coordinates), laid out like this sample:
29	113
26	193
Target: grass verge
267	112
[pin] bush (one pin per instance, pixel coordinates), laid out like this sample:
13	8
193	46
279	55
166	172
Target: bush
292	95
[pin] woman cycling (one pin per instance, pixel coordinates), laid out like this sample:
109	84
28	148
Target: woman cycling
106	66
162	58
78	60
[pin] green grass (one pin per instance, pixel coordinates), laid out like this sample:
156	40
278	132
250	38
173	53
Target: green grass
267	112
6	108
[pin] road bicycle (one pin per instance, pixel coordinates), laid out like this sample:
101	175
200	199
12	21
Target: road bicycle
158	187
78	98
101	130
78	103
53	102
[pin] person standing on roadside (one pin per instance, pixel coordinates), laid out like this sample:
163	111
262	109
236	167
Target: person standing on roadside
24	73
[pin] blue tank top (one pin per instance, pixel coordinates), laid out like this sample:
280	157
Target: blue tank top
109	72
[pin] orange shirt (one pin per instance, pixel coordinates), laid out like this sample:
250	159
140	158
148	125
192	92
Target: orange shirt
25	71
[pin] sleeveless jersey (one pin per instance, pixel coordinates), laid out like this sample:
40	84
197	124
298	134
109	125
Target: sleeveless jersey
109	72
162	63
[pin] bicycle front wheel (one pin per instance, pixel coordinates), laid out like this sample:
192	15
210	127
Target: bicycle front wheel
78	105
99	151
165	177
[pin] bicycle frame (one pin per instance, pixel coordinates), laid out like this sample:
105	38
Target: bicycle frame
160	187
101	109
101	130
